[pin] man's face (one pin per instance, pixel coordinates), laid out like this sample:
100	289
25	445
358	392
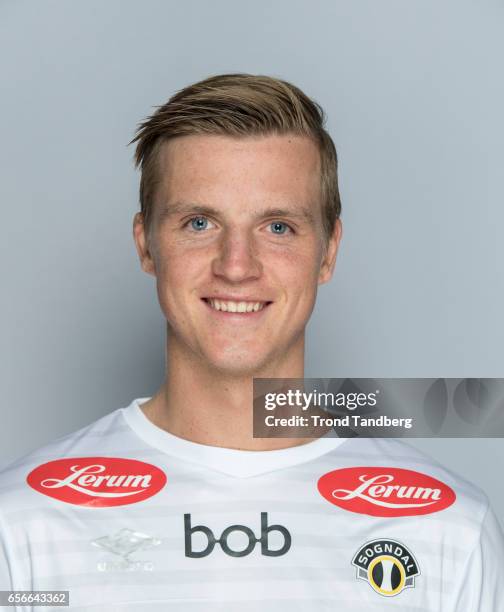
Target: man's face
237	225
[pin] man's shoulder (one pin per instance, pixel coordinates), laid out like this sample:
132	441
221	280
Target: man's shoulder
94	439
401	471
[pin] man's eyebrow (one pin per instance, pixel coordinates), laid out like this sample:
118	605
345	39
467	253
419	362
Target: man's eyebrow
179	208
300	213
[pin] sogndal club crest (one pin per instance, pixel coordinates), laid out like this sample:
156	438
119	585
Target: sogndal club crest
387	565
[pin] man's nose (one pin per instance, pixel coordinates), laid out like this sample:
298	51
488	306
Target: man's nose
237	257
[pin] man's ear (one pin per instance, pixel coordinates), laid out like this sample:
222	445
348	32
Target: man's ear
141	243
329	258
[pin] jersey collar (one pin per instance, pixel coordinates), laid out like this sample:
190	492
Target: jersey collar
237	463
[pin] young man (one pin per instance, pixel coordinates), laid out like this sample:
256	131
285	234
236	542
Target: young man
170	503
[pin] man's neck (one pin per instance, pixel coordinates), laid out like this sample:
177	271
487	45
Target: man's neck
204	405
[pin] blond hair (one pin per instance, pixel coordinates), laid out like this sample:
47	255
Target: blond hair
237	105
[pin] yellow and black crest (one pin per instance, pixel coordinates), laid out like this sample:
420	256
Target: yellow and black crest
387	565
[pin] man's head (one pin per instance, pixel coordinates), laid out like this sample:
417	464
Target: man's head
239	203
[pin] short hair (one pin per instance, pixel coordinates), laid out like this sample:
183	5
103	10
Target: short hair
237	105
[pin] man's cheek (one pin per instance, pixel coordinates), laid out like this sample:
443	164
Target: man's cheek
168	300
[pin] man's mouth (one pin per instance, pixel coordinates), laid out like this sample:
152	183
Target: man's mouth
235	305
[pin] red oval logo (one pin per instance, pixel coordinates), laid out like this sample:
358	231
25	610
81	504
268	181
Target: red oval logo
97	482
385	491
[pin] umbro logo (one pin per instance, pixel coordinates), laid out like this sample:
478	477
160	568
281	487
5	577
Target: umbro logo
122	544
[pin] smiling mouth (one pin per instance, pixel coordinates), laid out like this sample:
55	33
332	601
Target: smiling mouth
235	306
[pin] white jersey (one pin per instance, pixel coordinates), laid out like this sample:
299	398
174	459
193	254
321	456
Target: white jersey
129	518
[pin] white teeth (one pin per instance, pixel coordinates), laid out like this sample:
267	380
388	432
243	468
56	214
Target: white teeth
230	306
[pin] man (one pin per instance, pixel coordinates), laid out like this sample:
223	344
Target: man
170	503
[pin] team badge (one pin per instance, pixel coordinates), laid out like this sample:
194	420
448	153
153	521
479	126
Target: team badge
387	565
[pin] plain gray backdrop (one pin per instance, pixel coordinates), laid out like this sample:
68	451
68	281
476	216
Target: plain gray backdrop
414	97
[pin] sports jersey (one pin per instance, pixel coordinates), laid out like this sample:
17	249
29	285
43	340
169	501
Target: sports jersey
128	517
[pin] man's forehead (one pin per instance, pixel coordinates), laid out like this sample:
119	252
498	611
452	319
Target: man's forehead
278	161
263	172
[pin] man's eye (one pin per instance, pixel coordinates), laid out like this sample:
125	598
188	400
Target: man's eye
277	227
198	224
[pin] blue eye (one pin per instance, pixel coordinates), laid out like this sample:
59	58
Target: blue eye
199	223
279	228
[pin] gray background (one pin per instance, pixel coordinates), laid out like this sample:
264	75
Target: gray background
414	95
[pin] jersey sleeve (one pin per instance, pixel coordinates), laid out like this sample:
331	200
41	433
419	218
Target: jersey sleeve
6	580
481	588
